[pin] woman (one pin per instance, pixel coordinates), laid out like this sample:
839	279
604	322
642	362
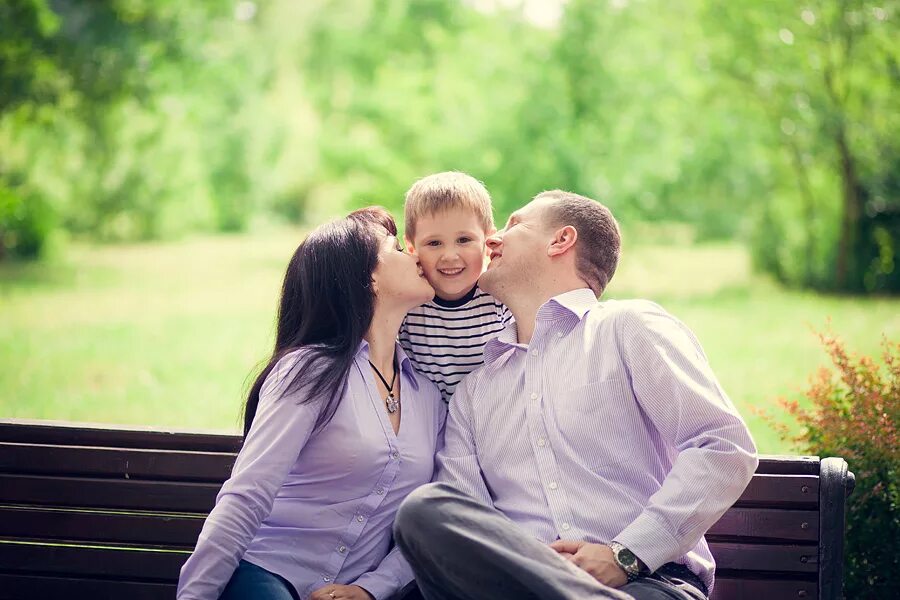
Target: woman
338	429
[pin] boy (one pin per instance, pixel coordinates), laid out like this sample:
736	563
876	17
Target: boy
448	217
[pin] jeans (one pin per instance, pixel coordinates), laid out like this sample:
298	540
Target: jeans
250	582
462	549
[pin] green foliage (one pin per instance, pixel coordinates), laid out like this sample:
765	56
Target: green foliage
854	412
25	221
767	121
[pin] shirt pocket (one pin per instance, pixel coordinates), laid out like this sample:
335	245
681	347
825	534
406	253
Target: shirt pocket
598	423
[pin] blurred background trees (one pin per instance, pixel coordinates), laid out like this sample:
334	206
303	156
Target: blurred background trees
772	121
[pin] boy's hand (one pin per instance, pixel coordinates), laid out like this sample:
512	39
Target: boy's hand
596	559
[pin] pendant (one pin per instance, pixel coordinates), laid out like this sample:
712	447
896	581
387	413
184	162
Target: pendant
392	404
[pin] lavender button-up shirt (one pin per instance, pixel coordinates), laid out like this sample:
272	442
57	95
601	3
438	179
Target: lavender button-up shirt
609	425
318	508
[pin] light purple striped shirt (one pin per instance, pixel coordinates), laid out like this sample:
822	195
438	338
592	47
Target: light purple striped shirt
318	508
609	425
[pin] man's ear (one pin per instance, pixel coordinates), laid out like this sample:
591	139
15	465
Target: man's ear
409	245
563	239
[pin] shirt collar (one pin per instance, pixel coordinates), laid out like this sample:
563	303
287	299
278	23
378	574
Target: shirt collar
405	363
575	302
506	339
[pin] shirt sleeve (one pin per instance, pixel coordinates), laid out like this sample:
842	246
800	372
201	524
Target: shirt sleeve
281	428
677	391
391	574
457	461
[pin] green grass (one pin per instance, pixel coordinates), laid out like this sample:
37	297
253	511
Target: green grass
166	334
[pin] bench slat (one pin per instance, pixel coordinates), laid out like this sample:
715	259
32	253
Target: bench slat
765	557
773	524
121	463
727	588
161	496
24	557
782	491
180	531
28	587
93	434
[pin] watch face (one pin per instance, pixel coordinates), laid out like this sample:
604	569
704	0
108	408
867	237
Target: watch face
626	557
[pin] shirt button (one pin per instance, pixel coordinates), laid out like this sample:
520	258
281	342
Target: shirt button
379	491
534	352
395	454
553	485
566	526
542	442
342	549
360	518
534	395
326	578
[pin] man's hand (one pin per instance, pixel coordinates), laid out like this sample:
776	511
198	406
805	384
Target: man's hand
596	559
341	592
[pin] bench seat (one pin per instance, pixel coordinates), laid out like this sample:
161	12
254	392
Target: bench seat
92	511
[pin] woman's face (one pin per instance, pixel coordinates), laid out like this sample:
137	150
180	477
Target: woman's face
399	280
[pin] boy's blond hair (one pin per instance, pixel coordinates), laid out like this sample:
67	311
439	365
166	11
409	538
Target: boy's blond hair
443	191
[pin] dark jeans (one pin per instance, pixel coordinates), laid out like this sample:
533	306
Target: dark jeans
252	582
462	549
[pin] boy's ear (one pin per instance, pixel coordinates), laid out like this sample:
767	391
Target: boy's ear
563	240
409	245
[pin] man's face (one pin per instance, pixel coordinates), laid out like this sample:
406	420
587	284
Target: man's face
518	251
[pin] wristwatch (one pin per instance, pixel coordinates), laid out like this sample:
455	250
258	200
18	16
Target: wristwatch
628	562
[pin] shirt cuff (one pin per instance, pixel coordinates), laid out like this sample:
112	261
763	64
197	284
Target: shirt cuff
380	586
649	541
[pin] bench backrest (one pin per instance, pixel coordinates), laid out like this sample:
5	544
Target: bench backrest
113	513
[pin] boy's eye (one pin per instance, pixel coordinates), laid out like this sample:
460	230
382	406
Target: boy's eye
464	240
433	243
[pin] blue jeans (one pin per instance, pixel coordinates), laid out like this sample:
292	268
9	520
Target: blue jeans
252	582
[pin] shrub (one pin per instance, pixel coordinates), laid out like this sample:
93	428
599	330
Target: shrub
853	410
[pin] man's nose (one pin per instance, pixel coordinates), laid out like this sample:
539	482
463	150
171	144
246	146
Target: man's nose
494	241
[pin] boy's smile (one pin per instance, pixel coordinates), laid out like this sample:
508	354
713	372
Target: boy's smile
450	247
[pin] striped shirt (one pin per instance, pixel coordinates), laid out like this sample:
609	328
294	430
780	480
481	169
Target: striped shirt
609	425
445	339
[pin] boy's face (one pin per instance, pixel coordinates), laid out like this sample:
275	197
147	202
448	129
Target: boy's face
450	247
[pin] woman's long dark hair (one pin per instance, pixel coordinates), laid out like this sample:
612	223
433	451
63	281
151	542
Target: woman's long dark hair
327	304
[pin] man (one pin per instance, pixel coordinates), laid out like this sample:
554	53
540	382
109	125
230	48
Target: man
591	452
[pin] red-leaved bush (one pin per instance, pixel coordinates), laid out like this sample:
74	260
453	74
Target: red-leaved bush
852	410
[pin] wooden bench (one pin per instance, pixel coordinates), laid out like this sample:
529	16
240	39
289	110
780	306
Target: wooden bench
98	512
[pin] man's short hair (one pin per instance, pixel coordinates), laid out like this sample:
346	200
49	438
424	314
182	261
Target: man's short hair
599	240
444	191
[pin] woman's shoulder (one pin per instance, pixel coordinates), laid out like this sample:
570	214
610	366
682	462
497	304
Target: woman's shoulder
288	366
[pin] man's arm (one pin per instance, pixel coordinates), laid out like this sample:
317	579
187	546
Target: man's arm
676	389
457	461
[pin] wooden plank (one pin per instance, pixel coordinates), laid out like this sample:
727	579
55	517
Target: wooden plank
28	557
159	496
786	464
122	463
93	434
727	588
781	491
794	558
766	523
140	529
29	587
